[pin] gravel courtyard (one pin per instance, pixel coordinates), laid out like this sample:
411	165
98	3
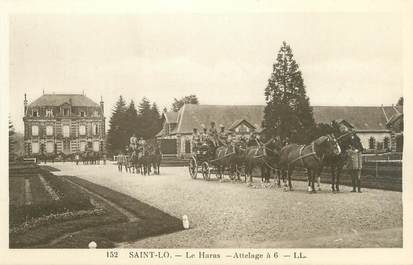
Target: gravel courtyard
231	214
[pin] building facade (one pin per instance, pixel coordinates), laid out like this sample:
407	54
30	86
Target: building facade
379	128
63	123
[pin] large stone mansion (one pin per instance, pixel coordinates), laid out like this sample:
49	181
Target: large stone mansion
63	123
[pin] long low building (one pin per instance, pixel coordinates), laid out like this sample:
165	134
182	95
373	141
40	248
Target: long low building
380	128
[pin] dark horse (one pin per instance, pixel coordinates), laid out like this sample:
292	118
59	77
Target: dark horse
309	156
155	156
147	157
224	157
264	156
346	139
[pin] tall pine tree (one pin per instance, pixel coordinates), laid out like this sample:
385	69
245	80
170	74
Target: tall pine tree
288	112
145	119
117	137
157	120
12	140
131	125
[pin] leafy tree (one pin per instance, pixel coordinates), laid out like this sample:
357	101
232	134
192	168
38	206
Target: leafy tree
12	140
117	135
288	112
178	103
400	102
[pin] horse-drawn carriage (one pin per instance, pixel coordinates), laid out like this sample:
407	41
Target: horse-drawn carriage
272	156
142	159
223	160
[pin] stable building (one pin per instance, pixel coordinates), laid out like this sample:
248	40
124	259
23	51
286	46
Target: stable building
379	128
63	123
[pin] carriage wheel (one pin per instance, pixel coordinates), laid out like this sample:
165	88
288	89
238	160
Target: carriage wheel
206	172
193	168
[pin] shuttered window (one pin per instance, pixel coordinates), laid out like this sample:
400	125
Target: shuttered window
49	147
96	146
49	130
82	130
35	148
35	130
82	146
66	130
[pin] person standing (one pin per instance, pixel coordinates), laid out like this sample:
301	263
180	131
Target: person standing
195	140
222	136
204	135
141	145
213	133
355	166
133	142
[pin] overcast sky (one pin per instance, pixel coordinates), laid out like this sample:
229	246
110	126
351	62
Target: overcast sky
345	58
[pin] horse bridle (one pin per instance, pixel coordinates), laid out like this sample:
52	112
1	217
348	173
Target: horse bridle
343	135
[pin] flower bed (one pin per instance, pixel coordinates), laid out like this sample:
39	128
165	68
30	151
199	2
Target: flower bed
53	218
71	199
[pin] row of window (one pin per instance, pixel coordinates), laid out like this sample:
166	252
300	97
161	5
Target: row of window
66	130
50	147
66	112
373	144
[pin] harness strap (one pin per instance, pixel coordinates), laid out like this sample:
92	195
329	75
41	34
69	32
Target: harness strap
301	157
220	151
343	135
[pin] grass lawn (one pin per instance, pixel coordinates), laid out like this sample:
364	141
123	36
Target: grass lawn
42	236
104	229
70	198
16	191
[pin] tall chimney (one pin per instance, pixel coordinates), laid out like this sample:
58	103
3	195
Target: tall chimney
102	105
25	104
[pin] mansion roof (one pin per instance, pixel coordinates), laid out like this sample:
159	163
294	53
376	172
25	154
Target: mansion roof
195	116
77	100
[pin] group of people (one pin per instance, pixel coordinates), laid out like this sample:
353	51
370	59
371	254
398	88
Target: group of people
136	144
221	137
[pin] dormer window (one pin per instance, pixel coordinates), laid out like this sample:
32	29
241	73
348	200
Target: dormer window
95	113
49	113
35	113
66	112
82	114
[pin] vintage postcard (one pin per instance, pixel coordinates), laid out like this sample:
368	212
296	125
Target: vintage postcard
207	133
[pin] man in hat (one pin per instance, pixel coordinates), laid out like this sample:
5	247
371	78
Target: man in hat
222	135
213	133
354	164
195	140
204	134
253	139
133	142
141	145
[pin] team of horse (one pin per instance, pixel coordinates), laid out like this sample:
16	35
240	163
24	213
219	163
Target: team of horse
85	157
272	156
141	160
